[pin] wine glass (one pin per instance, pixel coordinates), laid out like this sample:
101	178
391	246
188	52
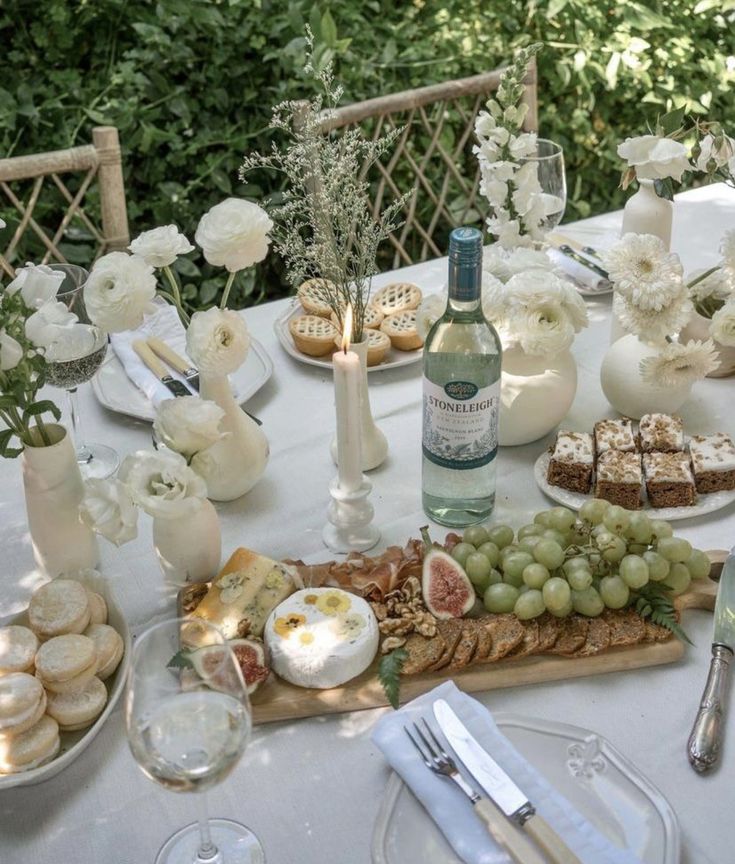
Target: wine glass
549	158
188	719
76	363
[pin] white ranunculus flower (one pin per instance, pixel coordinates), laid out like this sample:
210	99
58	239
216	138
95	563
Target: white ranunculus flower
722	327
188	424
545	330
234	234
161	246
37	284
46	324
533	287
108	509
162	484
654	157
217	341
709	152
11	352
119	292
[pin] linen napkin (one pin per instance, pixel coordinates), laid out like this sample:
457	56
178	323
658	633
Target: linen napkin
452	811
584	276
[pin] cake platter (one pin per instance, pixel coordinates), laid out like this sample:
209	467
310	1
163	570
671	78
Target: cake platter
708	503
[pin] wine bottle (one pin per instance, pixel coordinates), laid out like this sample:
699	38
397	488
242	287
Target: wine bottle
462	356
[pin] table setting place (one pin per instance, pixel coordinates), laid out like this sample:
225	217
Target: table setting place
508	472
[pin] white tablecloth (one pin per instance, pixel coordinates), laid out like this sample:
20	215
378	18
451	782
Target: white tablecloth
311	789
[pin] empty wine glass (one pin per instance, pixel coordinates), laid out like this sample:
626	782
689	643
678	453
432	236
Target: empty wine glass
549	158
75	362
188	719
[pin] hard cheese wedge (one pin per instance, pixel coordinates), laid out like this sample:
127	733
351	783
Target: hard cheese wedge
240	599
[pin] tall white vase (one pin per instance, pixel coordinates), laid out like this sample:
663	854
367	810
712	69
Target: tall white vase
233	465
536	394
53	486
189	549
373	442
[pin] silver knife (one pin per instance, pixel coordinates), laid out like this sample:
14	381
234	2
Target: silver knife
567	250
499	786
158	369
709	725
175	361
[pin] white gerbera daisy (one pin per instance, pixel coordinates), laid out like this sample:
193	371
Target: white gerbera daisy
652	325
680	364
643	271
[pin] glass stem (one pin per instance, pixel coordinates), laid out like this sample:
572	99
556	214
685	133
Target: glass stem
207	850
84	455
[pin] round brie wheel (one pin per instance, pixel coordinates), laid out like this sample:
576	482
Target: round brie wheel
321	637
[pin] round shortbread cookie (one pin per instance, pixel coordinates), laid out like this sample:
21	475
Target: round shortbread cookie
78	709
97	608
31	748
18	646
396	297
65	657
59	607
21	697
109	646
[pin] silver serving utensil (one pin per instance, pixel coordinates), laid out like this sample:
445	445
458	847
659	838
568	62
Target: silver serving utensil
158	369
708	730
567	250
175	361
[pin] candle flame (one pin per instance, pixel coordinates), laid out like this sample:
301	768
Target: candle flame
347	328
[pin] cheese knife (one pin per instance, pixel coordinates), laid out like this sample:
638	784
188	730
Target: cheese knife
141	348
175	361
709	725
499	786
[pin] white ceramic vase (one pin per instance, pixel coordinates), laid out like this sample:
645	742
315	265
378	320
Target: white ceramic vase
53	486
374	445
536	394
698	328
646	213
189	549
624	388
233	465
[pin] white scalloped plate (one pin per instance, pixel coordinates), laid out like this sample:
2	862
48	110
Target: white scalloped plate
585	768
574	500
74	743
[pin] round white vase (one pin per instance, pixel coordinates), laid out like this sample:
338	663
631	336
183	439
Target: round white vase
53	486
536	394
646	213
235	463
373	443
189	549
698	328
624	388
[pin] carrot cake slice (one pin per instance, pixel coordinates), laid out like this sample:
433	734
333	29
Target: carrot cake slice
661	432
619	478
713	460
669	479
615	435
572	461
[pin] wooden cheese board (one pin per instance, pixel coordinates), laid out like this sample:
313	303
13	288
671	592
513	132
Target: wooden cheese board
277	700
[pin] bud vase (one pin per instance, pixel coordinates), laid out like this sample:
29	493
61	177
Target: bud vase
374	445
189	549
234	464
698	328
53	486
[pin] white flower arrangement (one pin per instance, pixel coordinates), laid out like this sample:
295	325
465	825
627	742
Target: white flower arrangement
188	425
713	289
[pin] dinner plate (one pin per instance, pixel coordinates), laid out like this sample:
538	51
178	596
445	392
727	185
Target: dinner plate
393	358
574	500
74	744
584	767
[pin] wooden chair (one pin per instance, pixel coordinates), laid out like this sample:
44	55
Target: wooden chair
438	124
101	159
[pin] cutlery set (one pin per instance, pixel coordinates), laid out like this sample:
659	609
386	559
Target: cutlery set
153	351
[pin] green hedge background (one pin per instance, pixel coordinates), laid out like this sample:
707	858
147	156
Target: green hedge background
190	84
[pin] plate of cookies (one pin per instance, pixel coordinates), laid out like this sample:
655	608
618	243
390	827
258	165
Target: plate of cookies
62	669
653	465
310	331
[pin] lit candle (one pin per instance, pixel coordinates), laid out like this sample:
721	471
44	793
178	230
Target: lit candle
347	401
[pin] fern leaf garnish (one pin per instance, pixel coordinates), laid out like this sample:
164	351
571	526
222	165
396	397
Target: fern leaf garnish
180	660
655	602
389	674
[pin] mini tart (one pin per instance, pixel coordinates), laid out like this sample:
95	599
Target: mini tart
22	702
109	645
312	335
65	659
18	646
378	346
397	297
400	328
373	318
80	708
59	607
31	748
311	297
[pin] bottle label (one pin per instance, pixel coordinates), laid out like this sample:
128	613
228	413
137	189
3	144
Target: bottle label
460	428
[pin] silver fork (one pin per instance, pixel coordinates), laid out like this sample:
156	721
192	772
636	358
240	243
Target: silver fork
504	832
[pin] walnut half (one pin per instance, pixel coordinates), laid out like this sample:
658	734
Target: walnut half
390	643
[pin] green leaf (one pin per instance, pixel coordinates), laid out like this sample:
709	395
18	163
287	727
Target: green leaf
389	674
180	660
555	7
664	188
656	602
329	29
41	408
671	121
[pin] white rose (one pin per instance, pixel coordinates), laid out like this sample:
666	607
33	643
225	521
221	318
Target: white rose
720	155
37	284
217	341
655	158
234	234
161	246
108	509
544	330
162	484
11	352
119	292
722	327
188	424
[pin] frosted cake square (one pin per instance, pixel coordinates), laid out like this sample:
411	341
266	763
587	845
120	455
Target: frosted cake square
615	435
661	432
619	478
669	479
572	461
713	461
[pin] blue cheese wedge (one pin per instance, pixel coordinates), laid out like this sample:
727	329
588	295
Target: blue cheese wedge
321	637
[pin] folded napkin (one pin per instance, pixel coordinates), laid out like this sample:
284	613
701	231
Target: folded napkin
584	276
452	811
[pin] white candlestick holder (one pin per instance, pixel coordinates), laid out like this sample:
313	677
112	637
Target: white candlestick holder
350	515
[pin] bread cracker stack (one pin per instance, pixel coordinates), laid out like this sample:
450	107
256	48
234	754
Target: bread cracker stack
52	673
